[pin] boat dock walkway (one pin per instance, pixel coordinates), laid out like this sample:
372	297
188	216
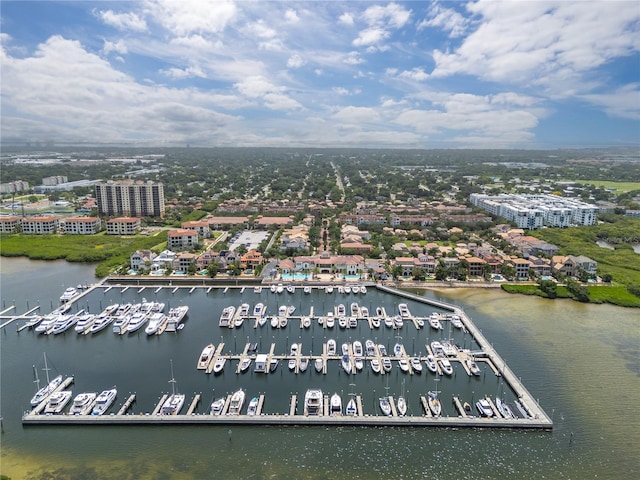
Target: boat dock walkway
127	404
212	363
193	405
23	316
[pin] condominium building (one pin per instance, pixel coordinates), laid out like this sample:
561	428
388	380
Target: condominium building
82	225
123	226
535	211
40	225
131	198
10	223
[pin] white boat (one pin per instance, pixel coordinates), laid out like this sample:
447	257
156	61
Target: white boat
236	402
346	363
504	409
282	311
104	401
416	365
341	311
335	405
257	289
48	389
484	408
431	363
434	321
84	322
358	362
57	401
205	357
219	365
404	365
217	406
292	364
353	322
306	289
342	321
363	289
64	323
375	365
347	289
330	321
101	323
291	289
450	350
47	323
175	316
304	363
456	321
437	349
69	294
340	289
262	320
397	350
398	321
313	402
273	288
155	322
386	364
245	364
434	404
318	364
355	309
355	288
370	348
253	406
291	310
375	321
258	310
238	322
329	289
243	311
226	316
173	404
306	322
279	288
82	403
357	348
120	325
137	321
388	322
345	348
445	366
364	312
385	406
382	350
275	322
401	406
473	367
283	321
352	408
331	346
403	309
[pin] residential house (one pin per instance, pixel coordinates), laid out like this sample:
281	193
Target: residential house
251	259
476	266
10	223
183	261
202	227
182	239
521	266
141	260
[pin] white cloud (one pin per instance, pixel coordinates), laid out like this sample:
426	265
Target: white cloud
392	15
342	91
445	18
291	16
624	102
346	19
357	115
260	29
181	73
197	42
185	17
274	97
352	58
417	74
123	21
371	36
295	61
118	47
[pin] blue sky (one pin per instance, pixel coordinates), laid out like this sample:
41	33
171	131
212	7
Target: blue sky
481	74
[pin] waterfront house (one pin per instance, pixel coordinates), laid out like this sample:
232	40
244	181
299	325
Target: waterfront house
123	226
183	261
141	260
40	225
82	225
10	224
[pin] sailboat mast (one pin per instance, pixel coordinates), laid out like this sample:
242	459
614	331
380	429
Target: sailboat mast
46	368
36	379
173	380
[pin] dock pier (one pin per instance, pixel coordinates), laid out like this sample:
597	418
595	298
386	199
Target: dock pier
127	404
194	404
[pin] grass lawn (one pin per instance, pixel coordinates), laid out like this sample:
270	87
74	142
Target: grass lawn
617	187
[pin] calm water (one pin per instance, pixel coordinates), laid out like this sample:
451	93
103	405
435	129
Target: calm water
581	361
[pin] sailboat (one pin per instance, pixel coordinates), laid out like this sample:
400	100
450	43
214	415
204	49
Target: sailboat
402	403
173	404
48	389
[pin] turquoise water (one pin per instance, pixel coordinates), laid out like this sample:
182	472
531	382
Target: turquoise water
295	276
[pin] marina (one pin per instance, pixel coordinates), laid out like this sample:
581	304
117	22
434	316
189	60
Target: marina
328	360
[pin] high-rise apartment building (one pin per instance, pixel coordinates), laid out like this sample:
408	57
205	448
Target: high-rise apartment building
130	198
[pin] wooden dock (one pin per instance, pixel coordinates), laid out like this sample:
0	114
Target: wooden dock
292	405
425	406
242	357
163	399
459	407
215	357
194	404
260	404
127	404
18	317
360	411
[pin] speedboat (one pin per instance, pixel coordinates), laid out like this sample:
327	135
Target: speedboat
283	322
434	321
473	367
280	288
293	351
484	408
205	357
304	363
340	289
445	365
292	364
306	322
403	309
274	322
172	404
331	321
82	403
398	321
318	364
437	349
467	408
347	289
313	402
346	363
341	310
245	364
329	289
382	350
262	320
402	406
386	364
342	321
434	404
306	289
45	391
388	322
416	366
397	350
375	321
370	348
273	288
253	406
375	365
431	363
355	288
104	401
359	363
236	402
335	405
291	289
345	348
404	365
57	402
273	365
257	289
219	365
504	409
364	312
363	289
385	406
291	310
217	405
258	310
243	311
355	309
456	321
331	347
352	409
226	316
353	322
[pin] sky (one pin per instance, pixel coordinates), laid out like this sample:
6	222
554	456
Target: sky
426	74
